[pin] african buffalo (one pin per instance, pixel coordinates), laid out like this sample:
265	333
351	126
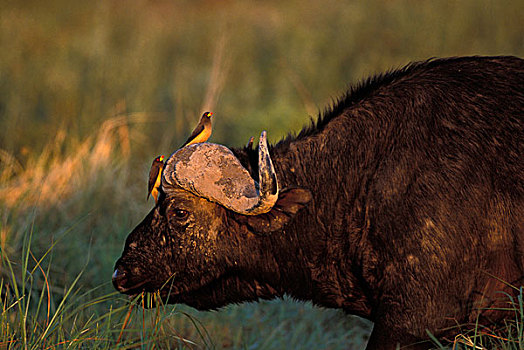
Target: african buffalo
403	204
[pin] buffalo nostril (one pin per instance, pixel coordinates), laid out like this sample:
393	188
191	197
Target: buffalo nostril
119	279
116	274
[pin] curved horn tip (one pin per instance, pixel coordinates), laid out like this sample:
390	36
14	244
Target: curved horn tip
262	142
268	182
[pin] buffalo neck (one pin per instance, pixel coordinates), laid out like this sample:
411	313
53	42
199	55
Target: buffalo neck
324	236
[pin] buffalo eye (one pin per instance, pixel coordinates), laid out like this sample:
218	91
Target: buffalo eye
180	214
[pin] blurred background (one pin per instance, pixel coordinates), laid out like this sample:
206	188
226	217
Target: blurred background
92	91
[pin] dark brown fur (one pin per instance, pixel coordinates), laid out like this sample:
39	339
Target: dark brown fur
413	210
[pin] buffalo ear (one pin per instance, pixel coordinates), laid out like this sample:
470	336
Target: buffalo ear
289	202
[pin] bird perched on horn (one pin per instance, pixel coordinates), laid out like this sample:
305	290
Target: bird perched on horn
202	131
155	174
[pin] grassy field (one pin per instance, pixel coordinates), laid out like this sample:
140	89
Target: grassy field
91	92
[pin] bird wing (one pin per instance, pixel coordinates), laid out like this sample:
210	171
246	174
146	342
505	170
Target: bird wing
194	134
153	174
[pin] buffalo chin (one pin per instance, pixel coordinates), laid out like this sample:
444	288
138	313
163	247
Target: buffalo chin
217	293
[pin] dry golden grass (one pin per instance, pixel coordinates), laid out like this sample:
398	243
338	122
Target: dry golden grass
52	176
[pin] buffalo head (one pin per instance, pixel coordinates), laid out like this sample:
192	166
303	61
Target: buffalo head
203	243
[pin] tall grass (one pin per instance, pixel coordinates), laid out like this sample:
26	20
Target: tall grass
91	92
508	336
36	314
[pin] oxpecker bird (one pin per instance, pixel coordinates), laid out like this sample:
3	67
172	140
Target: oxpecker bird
155	174
202	131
